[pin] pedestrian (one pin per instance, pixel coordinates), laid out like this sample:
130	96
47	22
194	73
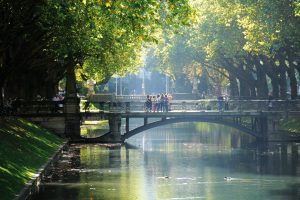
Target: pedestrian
220	102
270	102
157	103
170	98
153	103
148	104
226	103
166	103
162	98
56	100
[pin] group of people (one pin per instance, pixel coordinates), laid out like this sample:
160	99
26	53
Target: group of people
58	102
223	101
158	103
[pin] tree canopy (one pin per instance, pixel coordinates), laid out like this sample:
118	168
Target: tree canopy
100	37
250	42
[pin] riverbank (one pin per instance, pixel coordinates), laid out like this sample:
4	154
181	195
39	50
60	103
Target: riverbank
24	148
292	126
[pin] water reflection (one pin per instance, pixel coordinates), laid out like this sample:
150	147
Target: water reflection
179	161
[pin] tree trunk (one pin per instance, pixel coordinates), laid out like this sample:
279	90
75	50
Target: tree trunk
250	80
253	91
244	89
1	97
71	90
261	84
293	81
234	89
282	80
275	86
272	72
71	104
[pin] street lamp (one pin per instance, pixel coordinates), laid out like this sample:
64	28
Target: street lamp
116	84
143	82
121	86
167	91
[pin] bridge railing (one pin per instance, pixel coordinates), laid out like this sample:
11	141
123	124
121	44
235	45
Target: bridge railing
129	98
205	104
260	105
48	106
35	107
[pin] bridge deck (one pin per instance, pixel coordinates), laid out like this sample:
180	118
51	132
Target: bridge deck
140	114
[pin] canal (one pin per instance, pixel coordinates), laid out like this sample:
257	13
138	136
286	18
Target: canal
178	161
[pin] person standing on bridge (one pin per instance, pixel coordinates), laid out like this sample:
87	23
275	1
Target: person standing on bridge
170	98
56	100
161	102
148	104
157	103
220	102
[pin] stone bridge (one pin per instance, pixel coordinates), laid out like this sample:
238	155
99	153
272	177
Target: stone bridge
256	124
252	119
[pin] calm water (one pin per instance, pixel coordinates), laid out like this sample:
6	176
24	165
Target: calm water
179	161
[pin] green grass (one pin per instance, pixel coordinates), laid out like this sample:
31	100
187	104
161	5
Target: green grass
290	125
24	148
87	130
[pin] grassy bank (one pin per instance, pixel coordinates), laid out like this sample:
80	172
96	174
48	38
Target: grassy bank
24	148
290	125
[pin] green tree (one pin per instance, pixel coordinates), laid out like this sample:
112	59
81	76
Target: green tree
99	37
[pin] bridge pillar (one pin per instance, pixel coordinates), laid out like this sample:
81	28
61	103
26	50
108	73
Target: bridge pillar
263	121
114	121
145	120
127	124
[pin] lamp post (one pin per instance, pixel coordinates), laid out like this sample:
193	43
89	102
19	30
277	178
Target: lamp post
143	82
121	86
167	91
116	85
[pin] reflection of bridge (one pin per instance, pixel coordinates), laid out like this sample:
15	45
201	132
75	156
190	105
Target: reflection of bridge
250	117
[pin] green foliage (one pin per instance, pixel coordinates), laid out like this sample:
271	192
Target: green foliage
104	37
109	35
229	34
290	125
24	148
297	8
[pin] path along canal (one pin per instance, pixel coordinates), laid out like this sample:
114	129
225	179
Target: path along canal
178	161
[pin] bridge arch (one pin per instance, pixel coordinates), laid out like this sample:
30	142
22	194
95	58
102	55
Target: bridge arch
178	120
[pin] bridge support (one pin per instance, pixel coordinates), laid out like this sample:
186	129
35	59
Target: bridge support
114	134
114	126
267	123
127	124
145	121
263	127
